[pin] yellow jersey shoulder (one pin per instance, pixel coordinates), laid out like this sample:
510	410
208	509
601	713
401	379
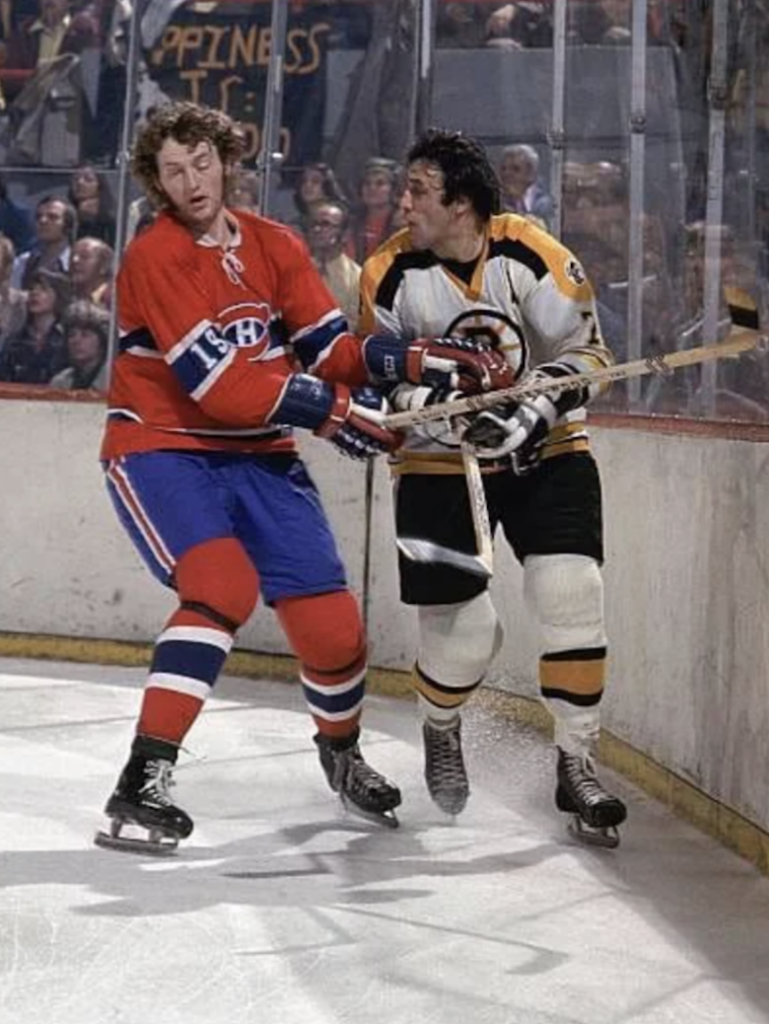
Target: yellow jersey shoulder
562	264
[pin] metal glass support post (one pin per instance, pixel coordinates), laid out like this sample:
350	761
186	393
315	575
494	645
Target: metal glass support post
124	159
270	156
557	127
425	64
717	96
637	128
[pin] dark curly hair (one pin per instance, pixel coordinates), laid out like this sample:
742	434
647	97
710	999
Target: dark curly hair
189	124
467	170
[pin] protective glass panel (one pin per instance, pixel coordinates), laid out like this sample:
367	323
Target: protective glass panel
645	123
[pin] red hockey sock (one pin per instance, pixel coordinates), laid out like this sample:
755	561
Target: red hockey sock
325	632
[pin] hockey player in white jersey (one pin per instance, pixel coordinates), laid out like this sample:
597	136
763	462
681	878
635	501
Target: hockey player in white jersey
461	268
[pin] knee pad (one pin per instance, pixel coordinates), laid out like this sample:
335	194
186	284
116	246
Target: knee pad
457	642
325	631
218	580
565	593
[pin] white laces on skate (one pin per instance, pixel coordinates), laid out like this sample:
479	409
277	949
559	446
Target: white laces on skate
445	755
581	775
158	782
361	776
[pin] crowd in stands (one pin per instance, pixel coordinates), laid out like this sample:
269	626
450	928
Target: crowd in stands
57	250
55	288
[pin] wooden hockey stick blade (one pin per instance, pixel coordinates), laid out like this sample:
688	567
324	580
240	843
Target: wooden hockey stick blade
427	552
738	342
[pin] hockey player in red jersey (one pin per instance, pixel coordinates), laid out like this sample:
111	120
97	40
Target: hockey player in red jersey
228	340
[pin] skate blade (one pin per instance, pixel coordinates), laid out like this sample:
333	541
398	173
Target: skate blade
386	818
128	837
607	838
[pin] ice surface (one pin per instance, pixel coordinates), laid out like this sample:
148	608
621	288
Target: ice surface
281	909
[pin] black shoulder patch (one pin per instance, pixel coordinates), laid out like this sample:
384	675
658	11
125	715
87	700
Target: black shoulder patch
388	286
141	338
516	250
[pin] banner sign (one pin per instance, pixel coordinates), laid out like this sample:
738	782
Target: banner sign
218	54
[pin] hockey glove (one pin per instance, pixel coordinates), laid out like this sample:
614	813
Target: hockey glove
459	364
520	429
350	419
410	398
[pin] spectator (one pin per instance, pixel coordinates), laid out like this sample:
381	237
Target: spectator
520	25
326	229
54	229
13	302
316	181
55	31
15	221
86	330
522	191
89	195
243	190
460	25
90	271
140	216
372	222
602	23
37	352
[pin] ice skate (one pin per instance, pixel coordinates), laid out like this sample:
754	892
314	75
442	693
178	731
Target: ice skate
361	789
595	812
445	772
143	817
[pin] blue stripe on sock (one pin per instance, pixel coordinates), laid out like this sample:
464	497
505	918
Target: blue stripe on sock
188	658
335	703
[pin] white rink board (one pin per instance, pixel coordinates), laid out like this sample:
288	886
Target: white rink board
686	581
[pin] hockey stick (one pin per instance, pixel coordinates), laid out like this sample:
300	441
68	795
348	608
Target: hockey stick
741	341
480	564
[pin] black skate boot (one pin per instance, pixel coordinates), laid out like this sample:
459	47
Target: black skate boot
445	773
361	789
143	817
595	813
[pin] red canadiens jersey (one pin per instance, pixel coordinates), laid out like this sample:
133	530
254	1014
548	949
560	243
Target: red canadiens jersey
209	335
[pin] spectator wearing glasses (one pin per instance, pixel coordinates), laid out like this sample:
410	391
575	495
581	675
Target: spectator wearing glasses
326	228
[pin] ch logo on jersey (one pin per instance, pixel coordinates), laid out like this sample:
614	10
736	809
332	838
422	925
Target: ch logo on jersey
574	272
246	325
495	328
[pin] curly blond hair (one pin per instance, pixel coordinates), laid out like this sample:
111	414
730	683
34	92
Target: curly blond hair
189	124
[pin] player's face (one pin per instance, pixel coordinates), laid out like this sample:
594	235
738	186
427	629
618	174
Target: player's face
431	223
193	179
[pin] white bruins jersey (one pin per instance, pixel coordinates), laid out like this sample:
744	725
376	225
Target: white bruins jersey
528	295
